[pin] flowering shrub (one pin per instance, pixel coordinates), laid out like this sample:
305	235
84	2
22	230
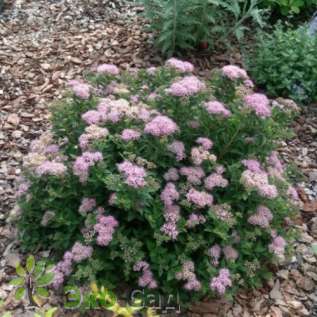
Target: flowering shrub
161	180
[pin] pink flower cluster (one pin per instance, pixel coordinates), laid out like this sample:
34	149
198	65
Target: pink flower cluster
171	216
253	165
234	72
221	282
292	193
63	268
195	220
147	278
171	212
134	175
87	204
230	253
51	168
22	189
278	245
276	168
80	90
105	228
169	194
193	174
223	213
215	180
171	175
259	103
259	182
161	126
178	148
262	217
84	162
199	155
92	132
130	135
199	199
188	86
188	274
183	67
218	108
206	143
108	69
214	252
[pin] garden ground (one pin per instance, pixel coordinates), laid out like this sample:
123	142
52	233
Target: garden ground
43	44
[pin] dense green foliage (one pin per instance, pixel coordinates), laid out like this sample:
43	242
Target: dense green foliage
53	218
287	7
285	63
180	25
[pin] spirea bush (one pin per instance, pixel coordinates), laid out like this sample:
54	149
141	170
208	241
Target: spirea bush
285	63
160	180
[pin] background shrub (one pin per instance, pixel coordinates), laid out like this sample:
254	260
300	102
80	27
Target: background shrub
287	7
184	24
285	63
160	180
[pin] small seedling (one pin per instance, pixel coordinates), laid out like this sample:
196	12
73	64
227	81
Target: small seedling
32	281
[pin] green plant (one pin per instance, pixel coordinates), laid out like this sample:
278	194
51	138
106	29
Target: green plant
285	63
32	281
287	7
160	180
181	25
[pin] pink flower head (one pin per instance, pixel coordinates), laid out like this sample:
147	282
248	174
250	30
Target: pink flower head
22	189
171	175
134	175
171	215
195	220
253	165
234	72
105	228
183	67
206	143
81	252
130	135
147	278
215	180
230	253
221	282
275	162
262	217
178	148
51	168
169	194
193	174
278	245
84	162
259	103
108	69
199	199
80	90
188	274
218	108
214	252
161	126
87	204
91	117
259	182
188	86
151	70
292	193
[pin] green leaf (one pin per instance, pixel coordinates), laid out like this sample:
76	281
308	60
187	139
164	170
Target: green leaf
45	279
30	263
50	312
20	292
314	248
39	269
7	314
20	270
19	281
43	292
